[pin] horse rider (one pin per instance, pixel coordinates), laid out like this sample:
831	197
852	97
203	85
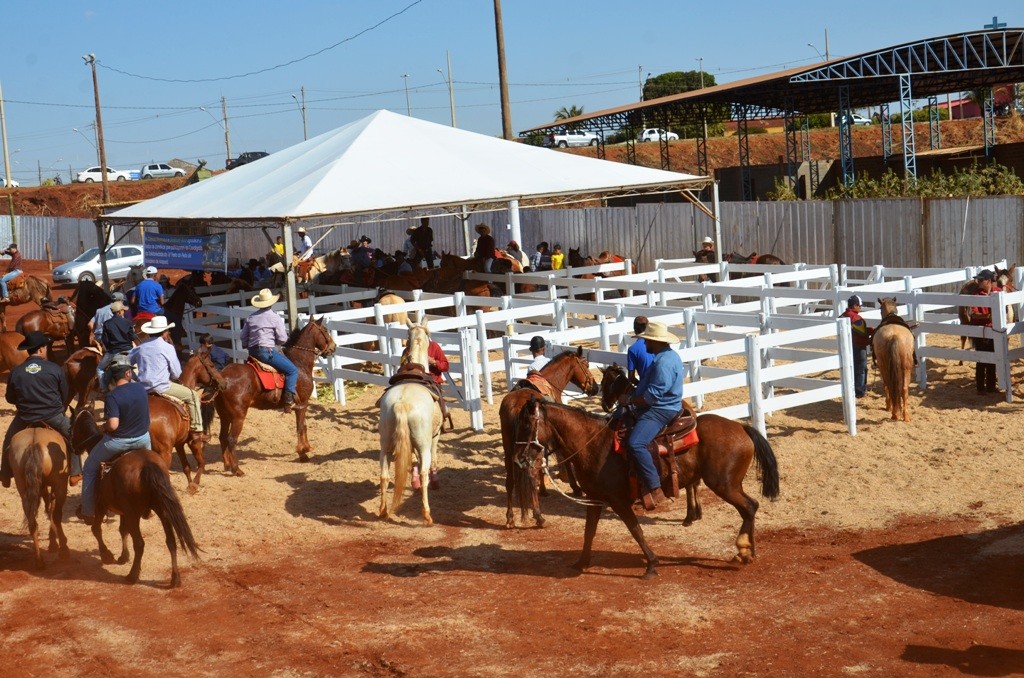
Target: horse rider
126	428
38	390
158	363
981	316
102	315
119	339
637	357
537	348
423	239
218	356
13	269
362	257
264	329
148	296
514	251
485	246
707	244
437	365
658	397
861	339
306	251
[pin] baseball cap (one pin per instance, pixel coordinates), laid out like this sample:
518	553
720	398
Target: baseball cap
117	296
150	270
854	301
985	275
537	343
117	371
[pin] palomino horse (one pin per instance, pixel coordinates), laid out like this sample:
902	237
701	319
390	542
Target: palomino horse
10	356
893	347
88	298
137	485
1004	281
200	374
40	464
242	390
21	290
565	368
586	442
410	423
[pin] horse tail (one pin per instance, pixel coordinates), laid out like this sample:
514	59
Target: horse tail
766	463
894	371
401	451
33	475
164	502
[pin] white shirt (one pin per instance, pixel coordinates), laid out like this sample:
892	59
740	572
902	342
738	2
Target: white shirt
538	363
307	248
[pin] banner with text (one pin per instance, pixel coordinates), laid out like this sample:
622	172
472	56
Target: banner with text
187	252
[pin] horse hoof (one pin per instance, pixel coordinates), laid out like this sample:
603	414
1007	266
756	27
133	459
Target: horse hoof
131	578
651	573
175	580
743	558
510	525
580	566
123	559
239	473
687	522
193	488
65	553
303	458
543	492
107	558
428	521
540	522
576	493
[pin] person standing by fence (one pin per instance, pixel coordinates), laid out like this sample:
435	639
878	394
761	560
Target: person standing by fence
861	340
981	316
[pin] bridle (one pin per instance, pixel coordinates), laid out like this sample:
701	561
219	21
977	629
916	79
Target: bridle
589	386
325	335
620	376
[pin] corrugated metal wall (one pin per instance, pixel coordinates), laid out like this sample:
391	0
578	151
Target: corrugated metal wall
904	232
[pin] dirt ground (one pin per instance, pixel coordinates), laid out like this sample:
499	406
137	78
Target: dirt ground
899	551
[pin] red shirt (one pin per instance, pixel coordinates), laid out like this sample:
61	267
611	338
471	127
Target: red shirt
985	311
440	365
15	261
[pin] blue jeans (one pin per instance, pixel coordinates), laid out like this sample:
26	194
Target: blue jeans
7	278
860	370
279	362
648	425
105	450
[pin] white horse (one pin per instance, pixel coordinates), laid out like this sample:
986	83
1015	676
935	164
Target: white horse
410	421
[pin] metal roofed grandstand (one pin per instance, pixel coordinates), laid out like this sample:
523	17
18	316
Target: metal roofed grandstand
922	69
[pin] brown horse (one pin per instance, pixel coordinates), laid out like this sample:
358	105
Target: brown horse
893	347
137	485
56	322
170	431
39	461
21	290
10	356
752	258
80	370
585	440
200	374
567	367
703	256
243	390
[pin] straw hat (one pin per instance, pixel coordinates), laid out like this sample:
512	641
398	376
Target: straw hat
158	325
264	299
483	228
116	307
707	240
658	332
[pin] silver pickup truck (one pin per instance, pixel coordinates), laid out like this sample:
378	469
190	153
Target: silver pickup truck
571	138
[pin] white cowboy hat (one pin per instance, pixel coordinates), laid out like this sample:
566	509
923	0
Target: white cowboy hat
707	240
158	325
658	332
265	298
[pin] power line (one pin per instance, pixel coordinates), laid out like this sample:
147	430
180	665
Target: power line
269	68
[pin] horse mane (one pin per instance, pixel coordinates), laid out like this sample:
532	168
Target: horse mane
575	410
295	334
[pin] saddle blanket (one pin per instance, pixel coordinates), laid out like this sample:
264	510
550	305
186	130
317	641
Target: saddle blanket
269	378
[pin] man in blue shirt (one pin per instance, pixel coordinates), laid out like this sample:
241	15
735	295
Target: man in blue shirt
218	355
637	357
148	296
658	398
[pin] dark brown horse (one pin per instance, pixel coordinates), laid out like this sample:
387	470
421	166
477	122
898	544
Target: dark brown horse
137	485
567	367
21	290
87	298
200	374
585	441
752	258
703	256
174	308
80	370
56	321
243	390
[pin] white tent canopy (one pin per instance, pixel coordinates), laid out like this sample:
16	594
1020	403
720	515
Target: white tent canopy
388	162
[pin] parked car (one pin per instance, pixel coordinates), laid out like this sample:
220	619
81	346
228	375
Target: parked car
655	134
571	138
14	183
86	266
160	170
856	119
245	159
94	174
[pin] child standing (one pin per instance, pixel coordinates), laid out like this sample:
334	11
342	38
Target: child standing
557	258
861	340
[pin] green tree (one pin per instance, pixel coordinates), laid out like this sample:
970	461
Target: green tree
566	112
677	82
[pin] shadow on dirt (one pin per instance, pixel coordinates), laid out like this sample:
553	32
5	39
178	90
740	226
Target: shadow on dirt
976	660
981	568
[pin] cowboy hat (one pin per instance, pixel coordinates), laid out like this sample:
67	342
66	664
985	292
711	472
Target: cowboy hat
301	229
409	230
265	299
483	228
658	332
34	340
707	240
157	325
116	307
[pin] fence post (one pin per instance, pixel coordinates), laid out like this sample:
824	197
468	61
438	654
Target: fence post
1002	345
844	279
506	349
662	301
920	340
605	343
561	321
460	303
470	377
754	383
690	325
416	294
620	316
552	288
485	362
844	336
766	361
628	263
236	333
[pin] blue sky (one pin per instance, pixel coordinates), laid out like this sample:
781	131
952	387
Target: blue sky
589	54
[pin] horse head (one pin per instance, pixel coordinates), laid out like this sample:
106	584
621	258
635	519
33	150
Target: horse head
575	258
888	305
84	431
213	375
528	458
581	374
192	298
1004	278
614	385
705	256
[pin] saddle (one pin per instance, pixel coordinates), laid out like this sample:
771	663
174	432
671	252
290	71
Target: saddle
179	404
57	314
535	381
270	379
414	373
678	436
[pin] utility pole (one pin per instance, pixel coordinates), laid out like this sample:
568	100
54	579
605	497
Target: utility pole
451	85
302	110
506	110
701	60
640	80
7	155
408	106
90	60
227	137
827	56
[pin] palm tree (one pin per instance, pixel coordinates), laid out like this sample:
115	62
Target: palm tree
564	113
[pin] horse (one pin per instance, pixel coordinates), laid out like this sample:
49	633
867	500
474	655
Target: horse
200	374
410	422
170	431
137	485
703	256
10	355
752	258
88	298
55	321
1004	281
893	347
21	290
242	390
39	462
567	367
80	370
586	441
174	307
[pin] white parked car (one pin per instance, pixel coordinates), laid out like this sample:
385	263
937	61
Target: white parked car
655	134
86	266
856	119
94	174
13	184
571	138
160	170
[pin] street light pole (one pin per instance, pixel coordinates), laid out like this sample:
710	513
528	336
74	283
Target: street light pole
90	60
701	60
451	90
408	106
302	111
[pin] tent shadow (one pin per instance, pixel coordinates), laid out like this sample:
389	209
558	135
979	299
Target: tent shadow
976	660
982	568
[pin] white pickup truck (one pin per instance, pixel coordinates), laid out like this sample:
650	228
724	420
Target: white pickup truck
571	138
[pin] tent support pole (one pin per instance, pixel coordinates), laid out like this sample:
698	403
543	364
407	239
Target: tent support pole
289	276
513	220
716	210
467	238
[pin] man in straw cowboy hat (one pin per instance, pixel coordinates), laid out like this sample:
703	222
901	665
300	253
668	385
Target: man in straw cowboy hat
264	329
305	244
484	252
38	389
158	364
658	398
